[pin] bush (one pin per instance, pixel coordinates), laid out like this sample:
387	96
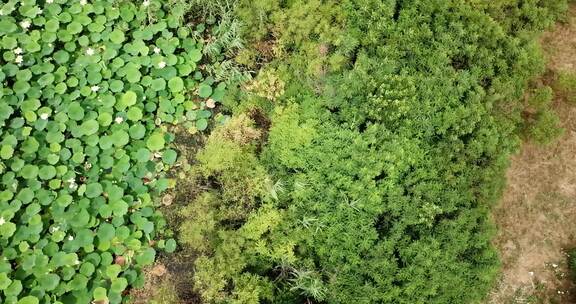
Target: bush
545	128
541	123
388	143
87	90
388	159
565	85
572	262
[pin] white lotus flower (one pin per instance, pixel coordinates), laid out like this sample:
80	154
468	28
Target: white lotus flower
90	52
44	116
95	88
146	3
49	1
156	50
119	119
2	221
25	24
161	64
18	51
19	59
70	238
76	262
83	2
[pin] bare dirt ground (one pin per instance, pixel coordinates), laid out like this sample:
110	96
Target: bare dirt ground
537	215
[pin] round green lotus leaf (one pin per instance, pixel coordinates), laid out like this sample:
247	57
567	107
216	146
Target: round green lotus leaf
93	190
204	90
117	36
20	87
120	138
119	207
158	84
93	78
89	127
156	141
186	69
14	289
74	27
54	184
146	257
61	57
30	105
106	161
100	294
116	86
29	171
79	281
6	152
127	99
104	119
5	281
28	300
47	172
48	281
137	131
118	285
195	55
26	195
142	155
52	25
176	84
75	111
134	114
133	75
45	80
87	269
201	124
7	230
170	246
106	232
169	156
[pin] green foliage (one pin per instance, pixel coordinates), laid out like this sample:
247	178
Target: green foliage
388	144
545	127
86	92
565	86
541	123
572	263
212	218
165	293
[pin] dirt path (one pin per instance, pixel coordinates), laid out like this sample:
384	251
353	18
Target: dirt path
537	215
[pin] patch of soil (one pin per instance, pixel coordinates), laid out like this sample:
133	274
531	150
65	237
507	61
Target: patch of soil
537	215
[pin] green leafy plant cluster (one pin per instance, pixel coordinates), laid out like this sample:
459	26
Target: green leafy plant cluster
541	123
88	91
572	263
375	170
565	85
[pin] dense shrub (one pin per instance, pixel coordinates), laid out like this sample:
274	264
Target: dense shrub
565	85
387	148
572	263
541	124
87	92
